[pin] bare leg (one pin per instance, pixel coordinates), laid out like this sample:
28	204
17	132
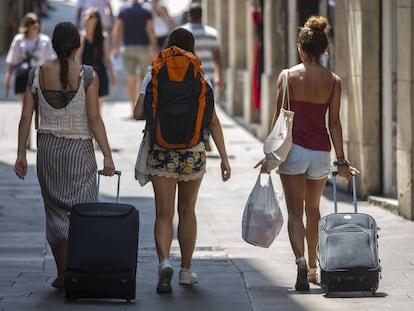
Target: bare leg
164	189
132	90
59	254
314	189
294	191
187	225
294	187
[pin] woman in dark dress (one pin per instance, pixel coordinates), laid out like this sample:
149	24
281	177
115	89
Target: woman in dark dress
95	51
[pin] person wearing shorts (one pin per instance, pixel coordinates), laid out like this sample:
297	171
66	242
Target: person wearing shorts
134	31
314	164
314	93
179	171
136	59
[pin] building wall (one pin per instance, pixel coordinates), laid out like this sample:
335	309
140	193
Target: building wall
405	110
11	12
358	60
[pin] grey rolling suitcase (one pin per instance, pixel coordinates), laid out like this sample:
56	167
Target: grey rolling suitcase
102	250
348	249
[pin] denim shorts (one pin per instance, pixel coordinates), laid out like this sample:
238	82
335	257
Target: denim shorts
313	163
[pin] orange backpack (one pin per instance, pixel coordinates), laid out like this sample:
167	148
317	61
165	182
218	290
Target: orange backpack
178	102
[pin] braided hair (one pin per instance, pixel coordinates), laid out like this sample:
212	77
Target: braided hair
313	36
65	39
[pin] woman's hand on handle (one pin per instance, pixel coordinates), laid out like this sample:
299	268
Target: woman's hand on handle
345	171
262	164
109	167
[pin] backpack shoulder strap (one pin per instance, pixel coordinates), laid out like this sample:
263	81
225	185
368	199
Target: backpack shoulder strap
32	81
87	75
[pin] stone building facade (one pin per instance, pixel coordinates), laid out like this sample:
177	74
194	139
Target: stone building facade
371	52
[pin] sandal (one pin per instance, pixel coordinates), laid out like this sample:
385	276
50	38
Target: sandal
313	276
301	280
302	283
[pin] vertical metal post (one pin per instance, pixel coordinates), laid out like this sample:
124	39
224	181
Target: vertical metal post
334	191
354	191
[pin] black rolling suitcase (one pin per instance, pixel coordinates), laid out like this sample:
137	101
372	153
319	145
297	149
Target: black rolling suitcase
348	249
102	250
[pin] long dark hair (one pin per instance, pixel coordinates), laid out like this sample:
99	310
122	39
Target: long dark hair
98	35
65	39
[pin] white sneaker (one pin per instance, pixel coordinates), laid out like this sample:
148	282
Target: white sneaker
165	274
187	277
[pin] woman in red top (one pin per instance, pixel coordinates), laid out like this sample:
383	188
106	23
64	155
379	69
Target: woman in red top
314	91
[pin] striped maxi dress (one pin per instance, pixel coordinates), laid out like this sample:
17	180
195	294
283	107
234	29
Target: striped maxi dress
66	169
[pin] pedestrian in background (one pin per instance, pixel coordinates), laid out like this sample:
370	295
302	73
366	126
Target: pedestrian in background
207	48
162	21
104	8
95	51
133	29
182	170
314	91
29	44
207	45
69	118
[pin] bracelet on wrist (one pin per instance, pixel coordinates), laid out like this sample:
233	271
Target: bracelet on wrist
340	157
341	162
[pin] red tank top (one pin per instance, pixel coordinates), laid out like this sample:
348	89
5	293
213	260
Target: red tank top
309	125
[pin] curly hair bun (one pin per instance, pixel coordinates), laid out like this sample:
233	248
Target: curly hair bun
317	23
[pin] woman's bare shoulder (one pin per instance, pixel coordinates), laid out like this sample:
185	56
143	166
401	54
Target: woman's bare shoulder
336	77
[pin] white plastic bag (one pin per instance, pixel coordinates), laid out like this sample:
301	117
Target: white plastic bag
262	217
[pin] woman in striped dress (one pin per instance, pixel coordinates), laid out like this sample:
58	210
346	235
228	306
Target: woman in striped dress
69	119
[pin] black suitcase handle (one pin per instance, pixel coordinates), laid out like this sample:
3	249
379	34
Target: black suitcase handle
354	191
118	173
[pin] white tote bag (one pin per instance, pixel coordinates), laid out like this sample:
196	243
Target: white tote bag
262	217
141	162
279	142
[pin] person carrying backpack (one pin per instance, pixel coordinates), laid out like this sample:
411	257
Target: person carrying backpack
177	102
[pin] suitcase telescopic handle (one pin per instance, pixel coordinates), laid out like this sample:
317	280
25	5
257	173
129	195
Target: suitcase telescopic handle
118	173
354	191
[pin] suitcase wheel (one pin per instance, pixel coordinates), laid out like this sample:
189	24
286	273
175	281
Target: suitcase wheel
70	297
325	289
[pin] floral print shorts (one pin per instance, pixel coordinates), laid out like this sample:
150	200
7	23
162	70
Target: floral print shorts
183	165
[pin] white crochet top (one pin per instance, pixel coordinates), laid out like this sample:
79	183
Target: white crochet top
68	122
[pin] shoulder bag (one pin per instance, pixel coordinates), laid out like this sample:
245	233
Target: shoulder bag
22	70
279	142
141	163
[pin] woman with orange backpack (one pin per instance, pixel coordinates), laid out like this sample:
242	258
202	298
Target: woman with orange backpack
179	169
